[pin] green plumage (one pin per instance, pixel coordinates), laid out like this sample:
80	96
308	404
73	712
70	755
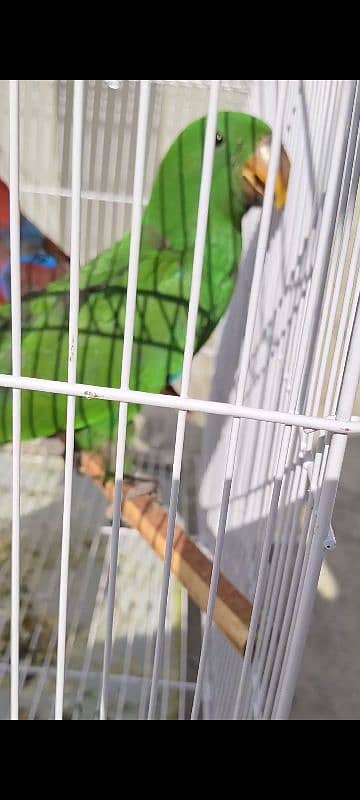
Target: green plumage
166	260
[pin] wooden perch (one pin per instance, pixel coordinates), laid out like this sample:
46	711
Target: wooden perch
189	564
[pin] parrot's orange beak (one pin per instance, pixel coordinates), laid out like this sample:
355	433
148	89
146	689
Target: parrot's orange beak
255	173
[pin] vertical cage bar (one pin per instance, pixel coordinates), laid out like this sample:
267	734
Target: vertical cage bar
236	425
139	181
71	405
203	212
16	370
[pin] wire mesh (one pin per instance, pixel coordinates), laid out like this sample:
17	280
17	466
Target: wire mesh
278	345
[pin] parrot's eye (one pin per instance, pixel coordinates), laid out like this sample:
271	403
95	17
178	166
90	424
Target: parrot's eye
219	139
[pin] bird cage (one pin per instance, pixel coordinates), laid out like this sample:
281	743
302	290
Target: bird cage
201	605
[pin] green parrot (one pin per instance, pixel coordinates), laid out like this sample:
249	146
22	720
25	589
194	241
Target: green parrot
165	272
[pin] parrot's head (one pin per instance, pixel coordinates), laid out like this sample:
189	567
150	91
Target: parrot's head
242	157
241	163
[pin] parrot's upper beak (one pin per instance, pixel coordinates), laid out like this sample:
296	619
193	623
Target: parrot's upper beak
255	172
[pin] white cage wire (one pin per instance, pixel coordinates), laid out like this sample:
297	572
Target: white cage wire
81	157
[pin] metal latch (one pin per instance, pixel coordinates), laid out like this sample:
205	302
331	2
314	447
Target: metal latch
330	541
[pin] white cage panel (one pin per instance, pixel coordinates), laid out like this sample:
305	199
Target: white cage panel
295	365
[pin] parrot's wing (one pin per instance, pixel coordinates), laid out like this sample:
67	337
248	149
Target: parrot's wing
159	339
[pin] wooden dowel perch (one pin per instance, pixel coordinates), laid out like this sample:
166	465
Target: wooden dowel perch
189	564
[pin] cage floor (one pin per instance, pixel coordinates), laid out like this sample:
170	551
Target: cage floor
139	582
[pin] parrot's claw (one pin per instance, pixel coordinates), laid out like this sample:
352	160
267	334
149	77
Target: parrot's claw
137	487
77	462
78	467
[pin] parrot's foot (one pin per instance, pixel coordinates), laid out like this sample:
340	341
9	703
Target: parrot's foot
77	454
136	487
170	391
77	462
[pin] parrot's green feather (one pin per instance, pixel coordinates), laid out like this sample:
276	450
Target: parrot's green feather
165	271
